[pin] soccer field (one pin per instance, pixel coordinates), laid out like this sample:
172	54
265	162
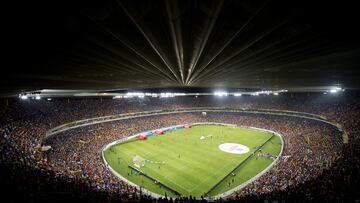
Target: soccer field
190	161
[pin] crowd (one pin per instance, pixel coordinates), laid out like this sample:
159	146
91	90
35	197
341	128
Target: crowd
314	156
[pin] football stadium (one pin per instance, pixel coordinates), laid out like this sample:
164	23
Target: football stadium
189	159
180	101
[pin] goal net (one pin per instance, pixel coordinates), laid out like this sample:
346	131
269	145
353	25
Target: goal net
138	161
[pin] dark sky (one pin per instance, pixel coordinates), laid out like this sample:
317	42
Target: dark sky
112	44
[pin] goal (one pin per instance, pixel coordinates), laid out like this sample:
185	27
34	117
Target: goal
138	161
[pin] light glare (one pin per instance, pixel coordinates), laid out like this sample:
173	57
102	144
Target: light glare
220	94
23	97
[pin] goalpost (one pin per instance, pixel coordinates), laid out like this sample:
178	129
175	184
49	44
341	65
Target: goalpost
138	161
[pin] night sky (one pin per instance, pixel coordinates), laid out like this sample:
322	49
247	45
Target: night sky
114	44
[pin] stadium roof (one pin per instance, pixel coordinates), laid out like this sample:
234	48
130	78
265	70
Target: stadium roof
117	44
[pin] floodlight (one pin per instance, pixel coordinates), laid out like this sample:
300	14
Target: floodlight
275	93
167	94
23	97
335	90
49	99
220	94
237	94
133	94
37	97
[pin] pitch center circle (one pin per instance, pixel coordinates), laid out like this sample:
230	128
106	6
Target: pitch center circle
234	148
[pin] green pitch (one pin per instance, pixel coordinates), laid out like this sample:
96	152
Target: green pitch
183	162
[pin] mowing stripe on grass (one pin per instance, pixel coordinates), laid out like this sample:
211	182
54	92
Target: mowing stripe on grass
156	181
190	165
239	165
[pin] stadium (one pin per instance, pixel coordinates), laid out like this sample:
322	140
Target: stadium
181	101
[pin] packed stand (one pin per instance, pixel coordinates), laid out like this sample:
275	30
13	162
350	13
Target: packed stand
73	168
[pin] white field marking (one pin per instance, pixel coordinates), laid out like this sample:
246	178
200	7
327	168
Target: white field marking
210	176
216	173
186	189
233	160
198	185
223	195
148	154
168	179
234	148
130	154
233	145
161	175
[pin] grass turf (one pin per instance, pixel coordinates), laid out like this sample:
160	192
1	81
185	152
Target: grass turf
191	166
